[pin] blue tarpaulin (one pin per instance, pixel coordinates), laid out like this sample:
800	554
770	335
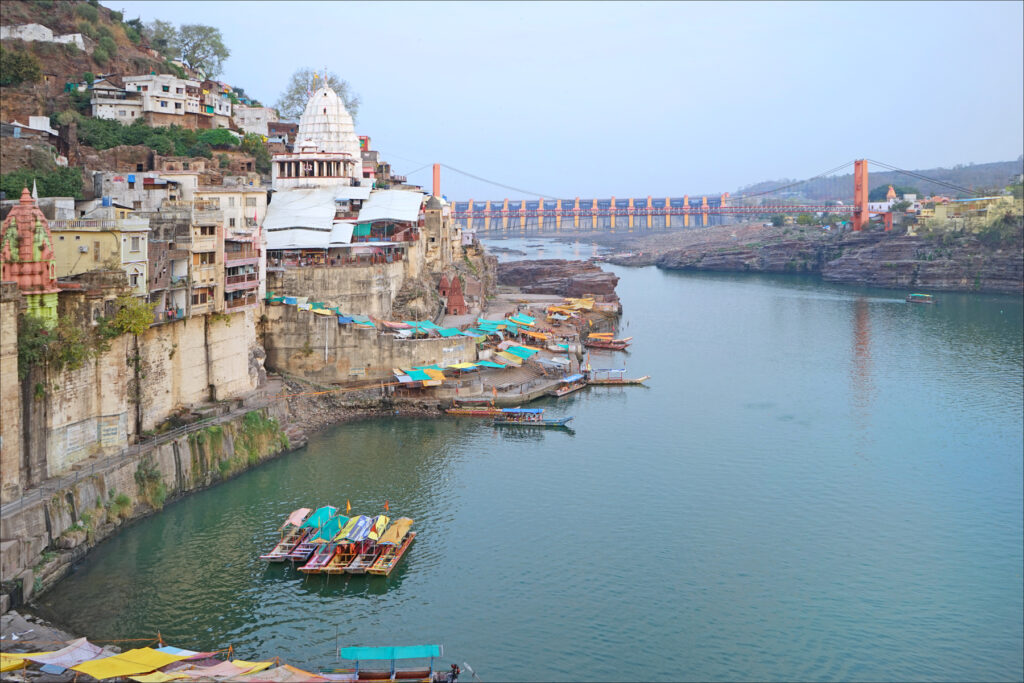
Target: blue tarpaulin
572	378
344	320
392	652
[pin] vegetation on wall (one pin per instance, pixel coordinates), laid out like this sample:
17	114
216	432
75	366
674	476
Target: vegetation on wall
165	140
58	182
151	484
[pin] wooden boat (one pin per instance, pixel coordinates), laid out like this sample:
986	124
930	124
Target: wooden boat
568	385
920	299
613	344
319	560
393	544
392	672
343	555
487	409
292	534
618	380
323	542
529	417
369	549
305	548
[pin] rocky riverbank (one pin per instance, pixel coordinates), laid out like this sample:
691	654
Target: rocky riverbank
561	277
878	259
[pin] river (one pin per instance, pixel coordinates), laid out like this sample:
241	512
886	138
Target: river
821	482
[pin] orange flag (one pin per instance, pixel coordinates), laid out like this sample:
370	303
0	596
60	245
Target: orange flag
386	509
348	507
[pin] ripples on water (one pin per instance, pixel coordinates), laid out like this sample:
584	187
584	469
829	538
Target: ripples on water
820	483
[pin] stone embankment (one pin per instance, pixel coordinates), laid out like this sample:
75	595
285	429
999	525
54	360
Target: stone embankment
50	532
558	276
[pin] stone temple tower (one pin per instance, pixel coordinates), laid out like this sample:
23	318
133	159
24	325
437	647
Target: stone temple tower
26	257
326	151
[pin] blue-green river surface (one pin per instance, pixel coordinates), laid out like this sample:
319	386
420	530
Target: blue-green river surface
821	482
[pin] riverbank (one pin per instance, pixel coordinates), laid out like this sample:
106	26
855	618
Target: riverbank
961	263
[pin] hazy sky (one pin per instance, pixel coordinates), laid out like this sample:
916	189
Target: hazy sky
595	99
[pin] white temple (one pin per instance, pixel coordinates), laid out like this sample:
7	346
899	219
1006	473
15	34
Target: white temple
326	152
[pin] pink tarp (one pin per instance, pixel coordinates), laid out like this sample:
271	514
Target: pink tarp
76	652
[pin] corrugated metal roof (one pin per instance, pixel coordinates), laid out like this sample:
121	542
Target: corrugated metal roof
398	205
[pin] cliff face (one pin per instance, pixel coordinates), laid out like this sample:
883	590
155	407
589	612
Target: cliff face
872	259
557	276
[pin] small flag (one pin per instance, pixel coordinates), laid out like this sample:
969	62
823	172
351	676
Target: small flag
348	507
386	508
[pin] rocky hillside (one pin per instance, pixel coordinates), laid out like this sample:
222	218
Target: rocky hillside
111	47
557	276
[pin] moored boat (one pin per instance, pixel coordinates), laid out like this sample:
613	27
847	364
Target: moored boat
395	541
420	673
291	535
614	378
479	409
605	340
323	540
920	299
569	384
305	548
369	549
529	417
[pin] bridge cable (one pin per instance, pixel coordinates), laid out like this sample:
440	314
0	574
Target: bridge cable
491	182
942	183
799	182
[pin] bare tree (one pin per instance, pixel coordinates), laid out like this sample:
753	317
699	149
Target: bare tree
302	83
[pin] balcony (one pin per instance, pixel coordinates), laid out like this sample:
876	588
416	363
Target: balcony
242	281
179	281
240	302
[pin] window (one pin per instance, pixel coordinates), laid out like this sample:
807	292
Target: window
177	105
78	237
165	88
136	241
133	113
231	201
122	112
231	222
134	279
179	90
207	230
250	201
95	251
163	104
199	298
131	184
136	205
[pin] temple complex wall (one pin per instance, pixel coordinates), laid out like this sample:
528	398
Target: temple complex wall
317	348
10	393
357	289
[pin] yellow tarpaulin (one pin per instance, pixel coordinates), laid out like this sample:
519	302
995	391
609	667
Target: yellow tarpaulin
515	360
434	374
462	366
138	661
323	311
535	335
12	661
251	667
396	532
158	677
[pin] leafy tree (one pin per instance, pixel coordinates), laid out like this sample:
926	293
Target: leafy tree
60	182
100	55
18	67
162	37
293	100
134	316
778	220
218	137
108	45
224	160
804	219
253	144
202	48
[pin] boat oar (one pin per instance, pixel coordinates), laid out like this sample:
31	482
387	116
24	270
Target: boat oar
470	670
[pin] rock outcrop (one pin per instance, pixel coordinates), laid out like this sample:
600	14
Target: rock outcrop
561	277
876	259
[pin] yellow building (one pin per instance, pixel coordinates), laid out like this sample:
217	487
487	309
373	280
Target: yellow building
94	244
970	214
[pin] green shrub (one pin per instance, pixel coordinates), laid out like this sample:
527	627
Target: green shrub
108	45
87	29
219	137
60	182
224	160
116	16
87	11
132	34
100	56
18	67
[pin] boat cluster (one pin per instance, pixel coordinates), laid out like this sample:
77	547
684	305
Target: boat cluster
327	542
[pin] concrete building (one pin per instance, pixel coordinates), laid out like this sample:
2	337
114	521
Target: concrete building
326	151
110	101
138	191
39	33
215	104
243	208
254	119
89	244
167	100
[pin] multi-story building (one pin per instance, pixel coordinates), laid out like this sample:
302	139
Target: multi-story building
215	104
140	191
254	119
110	101
244	256
101	243
371	158
166	99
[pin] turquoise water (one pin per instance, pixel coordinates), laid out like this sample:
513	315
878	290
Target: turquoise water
820	483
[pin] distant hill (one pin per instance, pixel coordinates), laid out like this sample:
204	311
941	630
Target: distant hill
995	175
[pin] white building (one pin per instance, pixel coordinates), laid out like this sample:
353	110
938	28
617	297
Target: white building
111	102
254	119
164	95
38	33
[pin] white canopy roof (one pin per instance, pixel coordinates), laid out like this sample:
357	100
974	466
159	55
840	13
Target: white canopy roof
398	205
298	238
341	233
311	208
346	192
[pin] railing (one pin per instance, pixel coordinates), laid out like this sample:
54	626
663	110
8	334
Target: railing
179	280
97	224
240	254
240	302
246	277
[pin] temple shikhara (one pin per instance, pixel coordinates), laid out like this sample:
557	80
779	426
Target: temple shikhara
26	257
326	152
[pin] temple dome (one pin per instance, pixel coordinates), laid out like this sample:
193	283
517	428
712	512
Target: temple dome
326	126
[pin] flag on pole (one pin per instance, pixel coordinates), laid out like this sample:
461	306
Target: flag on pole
348	507
386	508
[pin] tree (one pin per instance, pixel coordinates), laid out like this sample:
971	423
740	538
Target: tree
202	48
162	36
293	100
778	220
18	67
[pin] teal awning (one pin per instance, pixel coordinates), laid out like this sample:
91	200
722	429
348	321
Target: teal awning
449	332
489	364
316	520
362	230
393	652
330	529
521	351
418	375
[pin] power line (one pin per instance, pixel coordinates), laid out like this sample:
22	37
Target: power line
497	184
799	182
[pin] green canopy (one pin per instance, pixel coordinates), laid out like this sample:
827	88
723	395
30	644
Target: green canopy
317	519
361	230
330	529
